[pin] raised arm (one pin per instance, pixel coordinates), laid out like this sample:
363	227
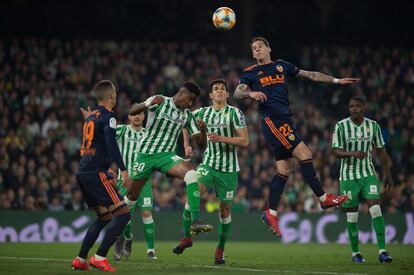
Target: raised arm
143	106
320	77
242	91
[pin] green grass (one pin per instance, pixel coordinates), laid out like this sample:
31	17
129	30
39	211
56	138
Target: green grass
241	257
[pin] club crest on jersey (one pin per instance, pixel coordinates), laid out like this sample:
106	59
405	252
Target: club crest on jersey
279	68
112	122
291	137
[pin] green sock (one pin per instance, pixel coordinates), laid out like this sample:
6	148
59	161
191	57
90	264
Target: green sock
149	232
193	198
353	235
224	230
379	227
186	222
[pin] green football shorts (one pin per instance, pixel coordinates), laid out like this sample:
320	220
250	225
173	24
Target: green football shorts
145	164
224	183
145	199
367	187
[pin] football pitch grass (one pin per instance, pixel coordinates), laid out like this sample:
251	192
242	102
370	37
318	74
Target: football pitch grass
241	258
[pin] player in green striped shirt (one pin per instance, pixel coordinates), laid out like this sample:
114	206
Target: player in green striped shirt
167	116
226	130
129	137
352	142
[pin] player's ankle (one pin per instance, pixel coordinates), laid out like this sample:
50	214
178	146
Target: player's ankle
322	198
381	251
273	212
82	260
99	258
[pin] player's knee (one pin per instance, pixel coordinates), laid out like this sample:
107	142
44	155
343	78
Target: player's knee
121	210
224	210
352	217
106	216
190	177
147	219
284	171
146	213
225	220
375	211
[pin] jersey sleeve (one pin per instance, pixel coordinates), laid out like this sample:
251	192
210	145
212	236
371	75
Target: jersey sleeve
111	144
155	107
197	113
245	79
338	138
191	125
378	139
120	131
290	69
238	119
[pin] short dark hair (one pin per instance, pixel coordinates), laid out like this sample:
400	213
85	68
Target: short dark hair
358	98
259	38
192	87
103	89
218	81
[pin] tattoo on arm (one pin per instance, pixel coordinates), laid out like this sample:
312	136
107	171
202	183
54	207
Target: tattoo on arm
316	76
241	91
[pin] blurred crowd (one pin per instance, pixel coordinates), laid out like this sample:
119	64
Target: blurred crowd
44	82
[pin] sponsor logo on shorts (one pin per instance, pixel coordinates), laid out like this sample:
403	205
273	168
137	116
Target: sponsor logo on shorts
373	189
147	201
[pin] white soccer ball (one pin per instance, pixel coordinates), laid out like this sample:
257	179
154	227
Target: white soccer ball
224	18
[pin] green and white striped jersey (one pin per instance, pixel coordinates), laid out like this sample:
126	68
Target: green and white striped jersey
164	125
128	140
221	156
350	137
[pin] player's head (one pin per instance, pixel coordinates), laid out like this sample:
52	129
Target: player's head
105	93
260	48
187	95
218	90
357	107
137	120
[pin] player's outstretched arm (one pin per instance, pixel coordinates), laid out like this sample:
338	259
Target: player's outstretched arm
320	77
386	166
242	92
241	139
143	106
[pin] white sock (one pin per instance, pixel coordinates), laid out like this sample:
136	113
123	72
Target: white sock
272	212
322	198
82	260
99	258
381	250
355	253
150	250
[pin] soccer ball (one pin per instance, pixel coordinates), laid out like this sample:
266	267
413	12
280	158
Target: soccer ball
224	18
